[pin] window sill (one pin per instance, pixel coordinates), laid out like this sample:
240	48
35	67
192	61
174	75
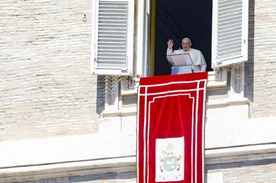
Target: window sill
211	84
129	111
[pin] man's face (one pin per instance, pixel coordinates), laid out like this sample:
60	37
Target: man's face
186	45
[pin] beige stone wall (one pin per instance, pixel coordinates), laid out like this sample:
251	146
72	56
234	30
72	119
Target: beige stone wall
46	88
260	83
246	171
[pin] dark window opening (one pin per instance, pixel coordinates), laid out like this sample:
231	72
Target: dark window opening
176	19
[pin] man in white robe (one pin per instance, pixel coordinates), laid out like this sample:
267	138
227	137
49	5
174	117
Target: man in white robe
199	63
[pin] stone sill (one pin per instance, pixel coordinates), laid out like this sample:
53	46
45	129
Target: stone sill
242	150
66	169
217	103
129	111
211	84
127	164
242	153
216	84
214	103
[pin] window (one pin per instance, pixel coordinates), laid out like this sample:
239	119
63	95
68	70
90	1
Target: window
113	34
112	37
230	32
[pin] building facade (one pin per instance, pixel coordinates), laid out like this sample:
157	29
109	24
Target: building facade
68	107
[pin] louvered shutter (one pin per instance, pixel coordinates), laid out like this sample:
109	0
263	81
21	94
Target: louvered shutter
113	37
229	32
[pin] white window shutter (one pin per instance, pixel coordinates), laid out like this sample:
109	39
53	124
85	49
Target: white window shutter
112	39
229	32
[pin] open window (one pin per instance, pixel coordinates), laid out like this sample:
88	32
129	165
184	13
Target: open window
112	37
218	28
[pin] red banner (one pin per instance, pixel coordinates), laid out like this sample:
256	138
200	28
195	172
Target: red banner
170	129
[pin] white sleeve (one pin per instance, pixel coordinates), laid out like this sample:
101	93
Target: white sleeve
203	63
203	67
169	51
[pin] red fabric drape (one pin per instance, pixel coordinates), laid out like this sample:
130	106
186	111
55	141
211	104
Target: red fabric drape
170	128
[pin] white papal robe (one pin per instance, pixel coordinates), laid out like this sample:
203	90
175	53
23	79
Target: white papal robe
199	63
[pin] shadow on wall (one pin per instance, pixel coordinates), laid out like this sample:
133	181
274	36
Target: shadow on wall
249	65
100	101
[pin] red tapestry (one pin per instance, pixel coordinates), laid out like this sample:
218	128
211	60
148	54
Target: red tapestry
170	128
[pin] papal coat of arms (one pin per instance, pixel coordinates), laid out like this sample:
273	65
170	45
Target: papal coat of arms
169	159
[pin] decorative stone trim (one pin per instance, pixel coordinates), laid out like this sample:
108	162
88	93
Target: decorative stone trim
67	169
242	153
